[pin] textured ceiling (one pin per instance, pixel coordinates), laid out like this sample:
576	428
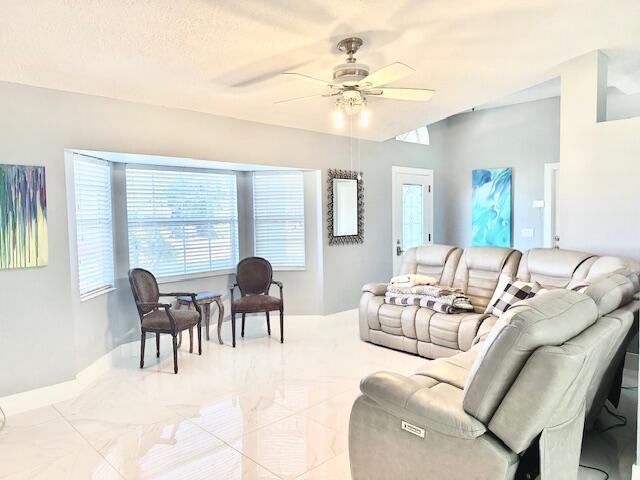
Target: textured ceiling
221	56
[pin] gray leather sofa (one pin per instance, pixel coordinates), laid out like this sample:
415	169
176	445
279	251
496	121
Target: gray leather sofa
475	270
532	378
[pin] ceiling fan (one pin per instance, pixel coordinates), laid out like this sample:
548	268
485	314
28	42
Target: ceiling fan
353	82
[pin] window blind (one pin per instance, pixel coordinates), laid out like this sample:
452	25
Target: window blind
94	228
278	214
181	221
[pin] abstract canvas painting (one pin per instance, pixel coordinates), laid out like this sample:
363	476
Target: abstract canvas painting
491	207
23	217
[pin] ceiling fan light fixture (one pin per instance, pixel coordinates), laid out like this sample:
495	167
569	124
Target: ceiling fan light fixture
365	116
338	117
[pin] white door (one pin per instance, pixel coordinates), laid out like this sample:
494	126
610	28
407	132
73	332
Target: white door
551	205
412	210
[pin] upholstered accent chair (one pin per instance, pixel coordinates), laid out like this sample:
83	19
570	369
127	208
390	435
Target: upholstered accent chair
157	317
254	277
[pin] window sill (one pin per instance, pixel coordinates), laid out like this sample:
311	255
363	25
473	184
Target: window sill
193	276
97	293
289	269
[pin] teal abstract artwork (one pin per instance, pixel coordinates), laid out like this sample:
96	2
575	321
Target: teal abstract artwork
491	207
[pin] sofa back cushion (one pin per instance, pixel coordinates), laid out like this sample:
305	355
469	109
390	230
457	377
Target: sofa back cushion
609	264
553	267
549	319
552	385
438	261
479	270
608	291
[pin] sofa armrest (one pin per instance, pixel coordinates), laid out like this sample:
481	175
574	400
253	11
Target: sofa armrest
485	328
378	289
409	400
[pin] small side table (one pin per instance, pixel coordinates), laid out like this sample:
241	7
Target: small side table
205	299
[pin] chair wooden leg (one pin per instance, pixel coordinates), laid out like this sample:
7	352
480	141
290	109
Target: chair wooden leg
220	318
233	329
207	318
191	340
242	332
175	353
157	345
143	340
200	338
268	324
281	326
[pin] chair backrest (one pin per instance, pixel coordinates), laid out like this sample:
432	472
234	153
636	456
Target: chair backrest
144	288
439	261
554	267
254	275
479	270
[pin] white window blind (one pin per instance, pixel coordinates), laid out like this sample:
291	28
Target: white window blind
278	211
181	221
94	228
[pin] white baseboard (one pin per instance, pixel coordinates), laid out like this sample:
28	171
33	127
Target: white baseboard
635	472
43	396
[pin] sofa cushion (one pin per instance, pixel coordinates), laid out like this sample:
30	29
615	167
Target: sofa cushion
439	261
609	292
553	267
479	270
549	319
398	320
452	370
455	331
609	264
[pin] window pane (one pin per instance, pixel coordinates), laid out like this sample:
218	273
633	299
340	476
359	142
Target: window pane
419	135
278	210
94	231
412	216
181	222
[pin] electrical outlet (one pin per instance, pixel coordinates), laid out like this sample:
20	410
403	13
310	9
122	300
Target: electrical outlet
527	232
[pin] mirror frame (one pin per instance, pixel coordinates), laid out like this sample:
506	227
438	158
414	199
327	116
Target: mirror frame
346	175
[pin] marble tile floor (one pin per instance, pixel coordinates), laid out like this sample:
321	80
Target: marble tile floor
261	411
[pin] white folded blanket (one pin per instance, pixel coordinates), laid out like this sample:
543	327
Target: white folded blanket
412	280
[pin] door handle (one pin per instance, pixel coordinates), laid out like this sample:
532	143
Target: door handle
399	250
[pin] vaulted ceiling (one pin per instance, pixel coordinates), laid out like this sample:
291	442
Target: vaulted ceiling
223	56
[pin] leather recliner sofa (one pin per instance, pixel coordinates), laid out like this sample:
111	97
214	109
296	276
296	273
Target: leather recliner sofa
422	331
529	381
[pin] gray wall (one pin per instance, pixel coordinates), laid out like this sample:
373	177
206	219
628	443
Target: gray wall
600	170
46	334
523	137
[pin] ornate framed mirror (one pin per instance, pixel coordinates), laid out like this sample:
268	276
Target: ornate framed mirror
345	208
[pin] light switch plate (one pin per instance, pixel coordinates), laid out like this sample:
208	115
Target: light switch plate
527	232
538	204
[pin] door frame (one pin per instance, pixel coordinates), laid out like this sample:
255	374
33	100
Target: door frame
395	170
549	195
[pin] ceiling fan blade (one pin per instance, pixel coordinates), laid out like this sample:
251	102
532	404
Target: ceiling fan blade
302	76
413	94
388	74
302	98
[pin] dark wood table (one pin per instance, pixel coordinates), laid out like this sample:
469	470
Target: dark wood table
205	299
